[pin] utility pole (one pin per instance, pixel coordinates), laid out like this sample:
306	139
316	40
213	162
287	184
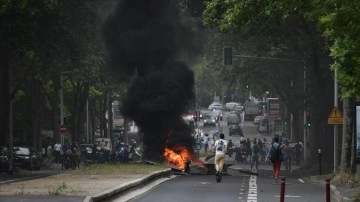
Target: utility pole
335	125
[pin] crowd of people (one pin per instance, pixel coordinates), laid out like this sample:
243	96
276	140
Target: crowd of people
253	152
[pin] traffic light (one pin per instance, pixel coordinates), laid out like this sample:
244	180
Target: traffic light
285	122
308	121
228	55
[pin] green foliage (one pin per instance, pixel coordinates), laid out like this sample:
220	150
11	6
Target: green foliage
338	20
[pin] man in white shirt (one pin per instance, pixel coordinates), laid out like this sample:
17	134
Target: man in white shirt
220	148
57	149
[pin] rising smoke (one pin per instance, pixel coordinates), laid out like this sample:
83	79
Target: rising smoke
145	38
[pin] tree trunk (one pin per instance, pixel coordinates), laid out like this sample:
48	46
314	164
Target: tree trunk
5	100
346	138
36	108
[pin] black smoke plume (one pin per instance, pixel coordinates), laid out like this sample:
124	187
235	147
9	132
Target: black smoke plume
145	38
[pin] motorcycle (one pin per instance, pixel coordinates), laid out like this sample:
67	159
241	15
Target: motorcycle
240	155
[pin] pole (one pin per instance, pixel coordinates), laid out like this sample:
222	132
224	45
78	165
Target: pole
327	188
11	135
319	152
61	106
335	125
282	190
305	127
87	121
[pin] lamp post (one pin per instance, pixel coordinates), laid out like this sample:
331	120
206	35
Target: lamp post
62	102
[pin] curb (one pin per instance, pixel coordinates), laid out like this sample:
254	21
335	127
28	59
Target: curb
334	191
338	195
125	187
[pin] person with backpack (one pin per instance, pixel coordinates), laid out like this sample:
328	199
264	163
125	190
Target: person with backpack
275	155
220	148
255	151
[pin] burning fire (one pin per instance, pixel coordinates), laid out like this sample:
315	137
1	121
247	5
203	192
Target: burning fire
180	156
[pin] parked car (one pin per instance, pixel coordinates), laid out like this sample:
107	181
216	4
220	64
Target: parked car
4	161
86	149
27	158
210	120
215	105
235	129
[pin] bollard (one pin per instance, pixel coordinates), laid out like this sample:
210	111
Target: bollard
319	152
282	191
327	190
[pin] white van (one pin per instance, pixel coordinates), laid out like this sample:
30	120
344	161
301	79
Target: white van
107	143
264	125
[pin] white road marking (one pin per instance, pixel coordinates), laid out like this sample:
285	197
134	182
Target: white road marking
288	196
252	194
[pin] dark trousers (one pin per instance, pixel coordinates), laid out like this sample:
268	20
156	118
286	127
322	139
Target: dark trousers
57	156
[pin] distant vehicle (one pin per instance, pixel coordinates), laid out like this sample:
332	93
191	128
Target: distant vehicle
86	149
215	105
231	105
27	158
235	129
218	114
237	113
233	119
264	125
210	120
4	161
107	143
257	120
239	108
251	110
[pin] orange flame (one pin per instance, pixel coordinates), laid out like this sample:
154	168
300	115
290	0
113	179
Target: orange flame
177	157
180	156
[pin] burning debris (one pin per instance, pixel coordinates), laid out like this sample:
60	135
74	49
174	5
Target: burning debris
145	39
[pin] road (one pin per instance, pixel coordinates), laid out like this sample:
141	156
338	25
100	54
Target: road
240	185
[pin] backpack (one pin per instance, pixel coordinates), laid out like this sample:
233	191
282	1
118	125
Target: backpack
276	153
220	146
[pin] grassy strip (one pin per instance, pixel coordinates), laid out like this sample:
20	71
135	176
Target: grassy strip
347	179
112	169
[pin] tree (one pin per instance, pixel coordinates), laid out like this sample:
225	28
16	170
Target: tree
288	34
338	21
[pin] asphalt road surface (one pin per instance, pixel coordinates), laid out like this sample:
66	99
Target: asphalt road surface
240	185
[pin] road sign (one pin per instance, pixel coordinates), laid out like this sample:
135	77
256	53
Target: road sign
335	116
198	146
62	128
274	107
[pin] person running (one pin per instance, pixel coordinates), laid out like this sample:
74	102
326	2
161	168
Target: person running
220	147
275	155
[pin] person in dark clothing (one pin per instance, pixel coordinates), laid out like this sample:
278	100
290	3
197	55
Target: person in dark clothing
298	150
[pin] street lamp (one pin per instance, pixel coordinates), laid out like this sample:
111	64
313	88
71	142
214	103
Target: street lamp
62	102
